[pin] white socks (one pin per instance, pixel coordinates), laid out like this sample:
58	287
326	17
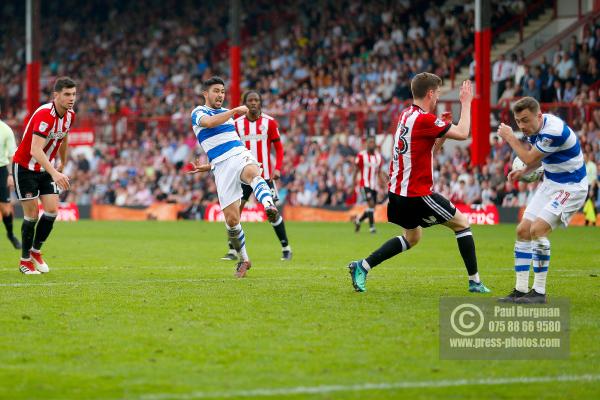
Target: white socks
523	257
541	262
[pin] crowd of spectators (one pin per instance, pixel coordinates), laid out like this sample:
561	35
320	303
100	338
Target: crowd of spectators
568	76
339	53
317	171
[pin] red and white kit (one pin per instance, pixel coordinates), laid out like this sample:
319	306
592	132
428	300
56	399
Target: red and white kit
369	166
46	123
258	136
411	170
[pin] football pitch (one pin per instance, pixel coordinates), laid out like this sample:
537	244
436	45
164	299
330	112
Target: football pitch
146	310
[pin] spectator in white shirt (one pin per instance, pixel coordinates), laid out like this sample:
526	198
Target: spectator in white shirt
565	69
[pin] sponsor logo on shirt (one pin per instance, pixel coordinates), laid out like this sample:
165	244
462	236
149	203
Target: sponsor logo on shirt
57	135
439	122
43	127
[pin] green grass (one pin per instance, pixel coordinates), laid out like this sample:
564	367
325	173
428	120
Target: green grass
134	310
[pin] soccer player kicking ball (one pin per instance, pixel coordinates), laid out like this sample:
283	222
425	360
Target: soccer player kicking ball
231	162
259	132
412	204
36	176
557	198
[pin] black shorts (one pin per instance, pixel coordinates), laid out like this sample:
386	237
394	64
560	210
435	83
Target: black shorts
4	192
370	194
31	185
247	191
425	211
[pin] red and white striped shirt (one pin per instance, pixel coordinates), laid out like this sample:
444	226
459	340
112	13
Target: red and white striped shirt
369	166
258	136
46	123
411	173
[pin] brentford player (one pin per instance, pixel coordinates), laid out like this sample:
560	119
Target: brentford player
368	166
412	204
259	131
35	175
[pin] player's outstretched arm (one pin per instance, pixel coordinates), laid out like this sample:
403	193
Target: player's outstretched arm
210	121
461	130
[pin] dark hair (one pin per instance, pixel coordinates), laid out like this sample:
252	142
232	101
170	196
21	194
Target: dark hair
248	93
423	83
64	82
215	80
526	103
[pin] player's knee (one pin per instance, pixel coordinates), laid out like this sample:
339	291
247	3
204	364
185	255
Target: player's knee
537	231
524	231
232	220
249	173
460	221
413	238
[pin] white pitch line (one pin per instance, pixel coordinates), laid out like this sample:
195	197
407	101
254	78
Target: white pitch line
291	391
137	282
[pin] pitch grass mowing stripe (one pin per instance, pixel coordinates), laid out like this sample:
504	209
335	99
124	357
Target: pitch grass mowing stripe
291	391
138	282
199	280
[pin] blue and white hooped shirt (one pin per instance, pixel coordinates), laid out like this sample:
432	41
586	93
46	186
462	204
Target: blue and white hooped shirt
563	163
220	142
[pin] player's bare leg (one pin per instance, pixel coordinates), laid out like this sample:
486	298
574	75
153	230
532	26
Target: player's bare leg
237	237
251	176
360	269
466	245
30	218
7	219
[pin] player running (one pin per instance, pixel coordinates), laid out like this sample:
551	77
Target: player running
35	175
555	146
368	164
258	131
231	163
412	204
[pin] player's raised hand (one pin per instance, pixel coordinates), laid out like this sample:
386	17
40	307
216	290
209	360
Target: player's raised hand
466	92
198	167
241	110
505	131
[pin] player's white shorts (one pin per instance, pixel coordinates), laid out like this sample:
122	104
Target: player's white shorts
555	204
227	177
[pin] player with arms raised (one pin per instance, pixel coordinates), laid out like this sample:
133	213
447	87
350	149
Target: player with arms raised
368	165
555	146
412	204
259	131
35	175
231	162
